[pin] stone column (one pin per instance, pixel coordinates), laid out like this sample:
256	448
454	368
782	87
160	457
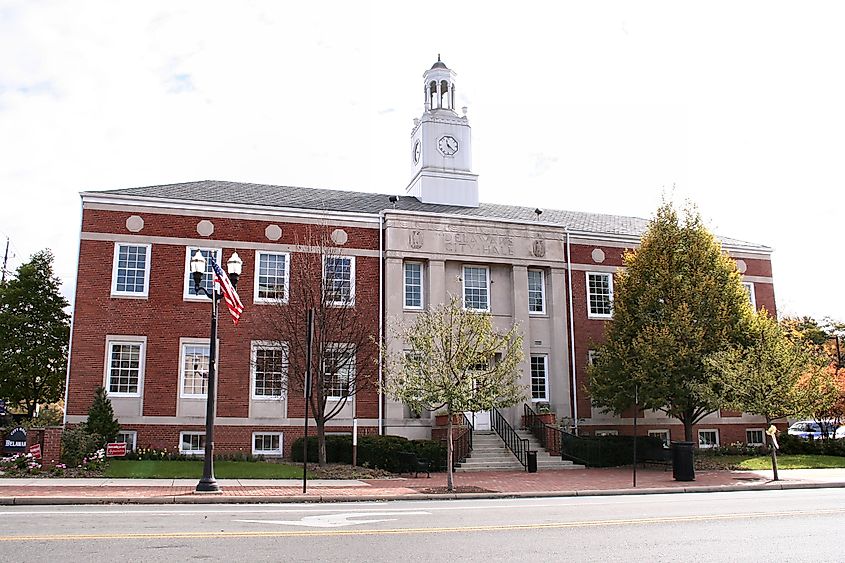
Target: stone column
436	282
519	277
559	356
393	317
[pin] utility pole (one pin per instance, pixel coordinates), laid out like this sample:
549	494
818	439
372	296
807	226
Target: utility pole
5	261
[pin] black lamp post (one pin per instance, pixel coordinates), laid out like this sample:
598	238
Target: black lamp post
208	484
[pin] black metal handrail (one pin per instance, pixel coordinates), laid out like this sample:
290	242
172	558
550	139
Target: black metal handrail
468	423
517	445
462	444
548	435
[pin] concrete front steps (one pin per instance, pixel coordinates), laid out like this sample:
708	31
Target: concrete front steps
489	453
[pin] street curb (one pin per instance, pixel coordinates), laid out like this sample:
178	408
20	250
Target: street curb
305	499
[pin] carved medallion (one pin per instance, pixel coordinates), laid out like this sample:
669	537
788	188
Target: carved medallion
538	249
415	239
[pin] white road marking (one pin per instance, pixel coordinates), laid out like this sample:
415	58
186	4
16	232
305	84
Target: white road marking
338	520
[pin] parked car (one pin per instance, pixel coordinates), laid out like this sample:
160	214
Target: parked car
812	429
840	433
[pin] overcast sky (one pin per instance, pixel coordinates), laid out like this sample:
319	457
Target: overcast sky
585	106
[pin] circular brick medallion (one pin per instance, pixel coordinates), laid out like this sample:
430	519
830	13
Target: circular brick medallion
339	237
205	228
134	223
741	266
273	232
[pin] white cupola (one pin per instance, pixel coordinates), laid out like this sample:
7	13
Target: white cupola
441	145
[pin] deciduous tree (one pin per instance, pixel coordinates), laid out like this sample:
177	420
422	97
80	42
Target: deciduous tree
678	300
456	360
34	331
344	349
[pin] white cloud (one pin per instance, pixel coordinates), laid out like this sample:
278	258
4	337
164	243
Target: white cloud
573	106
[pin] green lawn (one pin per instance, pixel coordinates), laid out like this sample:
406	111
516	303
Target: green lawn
784	461
193	469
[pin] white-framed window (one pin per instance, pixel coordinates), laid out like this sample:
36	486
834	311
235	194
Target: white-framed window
268	444
536	292
599	295
272	277
476	288
708	438
607	432
193	368
539	377
339	280
413	274
755	437
269	371
592	356
207	278
662	434
125	357
192	443
128	437
749	289
131	270
338	370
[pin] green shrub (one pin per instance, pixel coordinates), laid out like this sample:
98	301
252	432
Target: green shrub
79	444
380	452
101	420
794	445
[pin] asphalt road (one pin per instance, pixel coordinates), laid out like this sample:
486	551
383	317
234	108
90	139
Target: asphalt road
771	526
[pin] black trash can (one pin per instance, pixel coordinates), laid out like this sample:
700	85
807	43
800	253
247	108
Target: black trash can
683	467
532	461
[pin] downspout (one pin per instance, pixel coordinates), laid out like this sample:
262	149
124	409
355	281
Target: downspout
72	315
380	320
571	334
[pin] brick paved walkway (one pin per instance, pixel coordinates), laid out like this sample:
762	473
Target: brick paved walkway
618	480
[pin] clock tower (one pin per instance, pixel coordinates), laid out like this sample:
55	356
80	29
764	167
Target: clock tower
441	145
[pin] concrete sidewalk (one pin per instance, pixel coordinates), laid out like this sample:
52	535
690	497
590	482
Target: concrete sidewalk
587	482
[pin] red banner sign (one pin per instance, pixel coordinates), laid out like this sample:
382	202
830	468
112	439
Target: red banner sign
116	449
35	450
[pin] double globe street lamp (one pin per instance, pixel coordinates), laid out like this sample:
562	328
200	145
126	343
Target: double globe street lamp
208	484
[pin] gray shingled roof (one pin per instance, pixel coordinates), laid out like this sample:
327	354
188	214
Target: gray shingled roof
239	193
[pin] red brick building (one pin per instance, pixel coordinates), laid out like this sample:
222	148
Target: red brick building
140	330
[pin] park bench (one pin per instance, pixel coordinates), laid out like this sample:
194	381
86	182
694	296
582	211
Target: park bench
410	463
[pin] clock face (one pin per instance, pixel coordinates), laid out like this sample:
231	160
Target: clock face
417	151
448	145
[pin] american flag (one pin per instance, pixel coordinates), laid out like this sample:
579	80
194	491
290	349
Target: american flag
221	280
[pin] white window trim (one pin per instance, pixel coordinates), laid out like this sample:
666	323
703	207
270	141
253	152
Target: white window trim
660	432
542	311
254	347
182	439
464	288
134	442
193	341
544	399
747	430
255	297
189	282
590	314
131	294
351	302
342	347
269	453
123	339
751	294
606	433
706	447
405	286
